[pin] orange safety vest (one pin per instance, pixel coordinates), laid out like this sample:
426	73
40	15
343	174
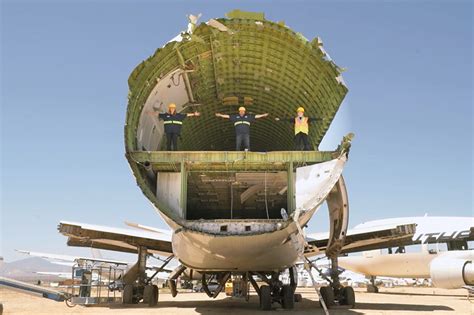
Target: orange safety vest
301	125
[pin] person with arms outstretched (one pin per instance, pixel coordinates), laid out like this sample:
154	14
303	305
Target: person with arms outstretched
301	124
173	122
242	122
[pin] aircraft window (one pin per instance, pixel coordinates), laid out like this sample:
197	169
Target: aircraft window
435	248
442	247
457	245
400	250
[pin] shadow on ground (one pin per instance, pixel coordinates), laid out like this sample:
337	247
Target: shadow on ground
240	306
423	294
402	307
306	306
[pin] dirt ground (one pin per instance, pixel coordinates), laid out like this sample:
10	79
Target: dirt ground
401	300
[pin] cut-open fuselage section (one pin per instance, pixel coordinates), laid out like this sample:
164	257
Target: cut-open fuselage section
224	185
236	195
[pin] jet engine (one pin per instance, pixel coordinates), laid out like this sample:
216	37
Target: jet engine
451	273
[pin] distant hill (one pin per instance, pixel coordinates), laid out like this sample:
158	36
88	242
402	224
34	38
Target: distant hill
25	269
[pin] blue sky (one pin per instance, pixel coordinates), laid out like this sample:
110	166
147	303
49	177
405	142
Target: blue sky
64	93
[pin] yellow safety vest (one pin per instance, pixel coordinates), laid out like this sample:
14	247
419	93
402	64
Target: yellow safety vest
301	125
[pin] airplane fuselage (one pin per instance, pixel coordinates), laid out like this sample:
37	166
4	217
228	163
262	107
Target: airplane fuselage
266	251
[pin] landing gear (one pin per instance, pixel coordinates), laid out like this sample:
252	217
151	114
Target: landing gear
298	297
372	288
335	294
348	296
265	298
127	295
344	296
137	286
150	295
287	297
276	291
327	293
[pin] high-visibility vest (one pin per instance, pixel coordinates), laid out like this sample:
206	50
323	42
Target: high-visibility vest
175	122
241	122
301	125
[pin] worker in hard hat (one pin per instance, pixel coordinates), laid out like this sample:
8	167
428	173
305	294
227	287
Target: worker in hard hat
301	125
173	122
242	122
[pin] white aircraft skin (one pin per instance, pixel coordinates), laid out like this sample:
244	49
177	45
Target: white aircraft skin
68	260
402	265
419	264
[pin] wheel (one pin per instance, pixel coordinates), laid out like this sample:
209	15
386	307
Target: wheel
147	292
150	295
327	293
287	297
127	295
298	297
372	288
348	296
265	298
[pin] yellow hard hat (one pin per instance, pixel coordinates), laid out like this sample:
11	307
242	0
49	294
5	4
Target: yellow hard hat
300	109
172	105
241	108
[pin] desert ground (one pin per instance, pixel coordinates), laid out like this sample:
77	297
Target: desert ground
399	300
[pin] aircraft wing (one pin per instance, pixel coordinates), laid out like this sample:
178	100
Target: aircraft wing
115	239
391	235
148	228
64	275
64	260
68	260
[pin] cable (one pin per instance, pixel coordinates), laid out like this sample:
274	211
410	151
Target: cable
266	203
231	191
231	202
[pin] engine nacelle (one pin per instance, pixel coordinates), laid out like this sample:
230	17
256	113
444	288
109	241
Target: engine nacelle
451	273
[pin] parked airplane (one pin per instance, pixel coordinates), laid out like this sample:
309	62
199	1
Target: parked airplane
231	213
70	261
445	255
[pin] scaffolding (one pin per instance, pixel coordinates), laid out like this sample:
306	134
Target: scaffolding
96	282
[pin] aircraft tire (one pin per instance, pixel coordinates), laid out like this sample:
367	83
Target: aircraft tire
150	295
327	294
298	297
372	288
265	298
287	297
127	295
349	296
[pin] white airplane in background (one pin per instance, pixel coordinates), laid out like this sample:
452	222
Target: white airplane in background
98	260
449	269
445	255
